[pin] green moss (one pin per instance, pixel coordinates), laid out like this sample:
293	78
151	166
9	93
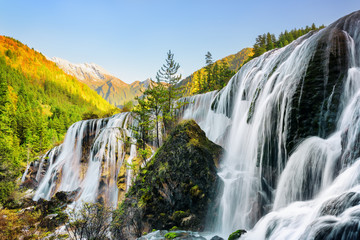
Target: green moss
171	235
193	142
174	228
195	191
177	216
237	234
177	183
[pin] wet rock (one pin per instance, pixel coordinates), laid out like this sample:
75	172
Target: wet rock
163	234
58	202
339	204
175	189
216	238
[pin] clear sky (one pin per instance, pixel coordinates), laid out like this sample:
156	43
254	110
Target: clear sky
130	38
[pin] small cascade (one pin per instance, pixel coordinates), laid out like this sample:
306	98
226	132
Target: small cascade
214	123
89	161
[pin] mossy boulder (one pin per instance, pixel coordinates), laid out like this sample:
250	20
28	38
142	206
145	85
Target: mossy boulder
237	234
176	188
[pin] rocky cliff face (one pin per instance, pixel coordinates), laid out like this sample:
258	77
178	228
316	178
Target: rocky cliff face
177	187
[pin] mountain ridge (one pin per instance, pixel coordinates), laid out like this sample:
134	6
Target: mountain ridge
109	87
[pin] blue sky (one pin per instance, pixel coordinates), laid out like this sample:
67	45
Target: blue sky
130	38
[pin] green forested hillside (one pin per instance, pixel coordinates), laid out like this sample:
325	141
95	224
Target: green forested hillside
38	102
222	70
216	75
268	41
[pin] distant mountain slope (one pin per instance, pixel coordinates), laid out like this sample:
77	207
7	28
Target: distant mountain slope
106	85
234	61
38	103
237	59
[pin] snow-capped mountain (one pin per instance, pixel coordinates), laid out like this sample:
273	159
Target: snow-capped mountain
82	71
106	85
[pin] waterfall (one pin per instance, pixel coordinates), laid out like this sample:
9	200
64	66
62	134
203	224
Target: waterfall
290	124
89	161
214	123
318	192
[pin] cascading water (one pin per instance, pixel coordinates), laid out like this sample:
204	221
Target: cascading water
293	145
88	161
214	123
290	123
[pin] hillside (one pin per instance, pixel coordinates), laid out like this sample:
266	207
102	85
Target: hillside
38	103
233	61
105	84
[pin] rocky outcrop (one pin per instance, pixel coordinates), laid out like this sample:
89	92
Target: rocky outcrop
175	189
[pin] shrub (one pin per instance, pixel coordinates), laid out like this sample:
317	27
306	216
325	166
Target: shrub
91	221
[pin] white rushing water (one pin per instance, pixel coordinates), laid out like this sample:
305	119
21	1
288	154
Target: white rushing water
214	123
290	123
302	187
89	160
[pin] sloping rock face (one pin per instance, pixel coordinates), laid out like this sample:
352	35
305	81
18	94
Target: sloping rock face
175	189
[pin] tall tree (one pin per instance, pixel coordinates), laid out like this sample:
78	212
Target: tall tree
156	98
269	42
142	114
168	74
208	69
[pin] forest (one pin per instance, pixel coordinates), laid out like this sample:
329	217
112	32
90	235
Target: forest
38	103
215	75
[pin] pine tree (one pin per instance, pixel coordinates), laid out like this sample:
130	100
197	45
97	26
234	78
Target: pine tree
156	98
216	76
142	115
260	45
313	27
168	74
208	70
269	42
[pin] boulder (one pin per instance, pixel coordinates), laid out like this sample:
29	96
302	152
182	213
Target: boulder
216	238
176	188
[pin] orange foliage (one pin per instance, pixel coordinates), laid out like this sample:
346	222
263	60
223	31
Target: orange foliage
39	69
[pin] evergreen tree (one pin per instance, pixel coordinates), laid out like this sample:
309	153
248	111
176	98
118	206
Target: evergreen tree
208	71
142	115
260	45
208	58
217	80
313	27
168	74
269	42
156	98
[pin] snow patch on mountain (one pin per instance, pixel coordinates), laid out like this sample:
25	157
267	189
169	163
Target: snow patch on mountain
82	71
